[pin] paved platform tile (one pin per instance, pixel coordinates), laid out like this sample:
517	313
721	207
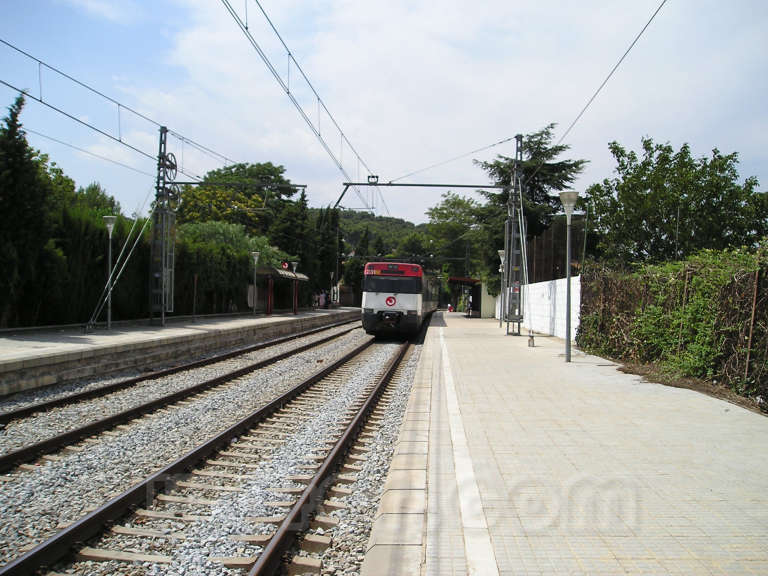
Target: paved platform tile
406	480
401	529
408	462
402	502
392	560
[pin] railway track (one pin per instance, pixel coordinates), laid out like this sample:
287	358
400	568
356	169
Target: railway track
239	500
69	428
67	486
28	408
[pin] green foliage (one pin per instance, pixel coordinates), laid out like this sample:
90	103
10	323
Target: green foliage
219	255
454	230
666	204
384	233
327	238
94	197
542	174
252	195
231	236
692	318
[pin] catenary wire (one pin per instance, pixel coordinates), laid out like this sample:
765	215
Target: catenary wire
280	81
276	74
78	82
608	77
459	157
84	151
120	105
565	134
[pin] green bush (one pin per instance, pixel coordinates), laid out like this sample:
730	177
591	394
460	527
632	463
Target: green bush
691	318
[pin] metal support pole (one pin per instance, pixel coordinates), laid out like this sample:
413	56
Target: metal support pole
194	298
163	274
507	257
295	289
568	198
109	221
501	300
254	289
568	292
109	282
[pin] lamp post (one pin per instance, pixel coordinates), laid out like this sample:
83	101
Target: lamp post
255	292
330	293
295	291
110	222
568	199
503	289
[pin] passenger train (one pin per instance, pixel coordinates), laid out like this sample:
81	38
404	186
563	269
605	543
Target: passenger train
397	297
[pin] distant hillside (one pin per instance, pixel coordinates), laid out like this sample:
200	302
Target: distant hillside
384	231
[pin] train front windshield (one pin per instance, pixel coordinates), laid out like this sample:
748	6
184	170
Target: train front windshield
393	284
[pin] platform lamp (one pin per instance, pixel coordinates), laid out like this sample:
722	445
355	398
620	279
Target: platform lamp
568	199
110	222
255	292
295	288
503	289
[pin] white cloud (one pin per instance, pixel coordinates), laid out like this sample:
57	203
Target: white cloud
120	11
412	83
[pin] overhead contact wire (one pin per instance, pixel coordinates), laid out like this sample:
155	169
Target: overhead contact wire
610	74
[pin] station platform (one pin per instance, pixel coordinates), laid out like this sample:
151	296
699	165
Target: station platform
512	461
31	359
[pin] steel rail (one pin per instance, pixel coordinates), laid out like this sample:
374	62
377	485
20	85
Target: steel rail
58	545
297	520
6	417
28	453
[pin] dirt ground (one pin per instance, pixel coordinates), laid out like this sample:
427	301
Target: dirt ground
654	374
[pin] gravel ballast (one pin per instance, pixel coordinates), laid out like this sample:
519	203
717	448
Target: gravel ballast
43	425
229	515
34	503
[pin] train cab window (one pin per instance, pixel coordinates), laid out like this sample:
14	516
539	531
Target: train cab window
394	284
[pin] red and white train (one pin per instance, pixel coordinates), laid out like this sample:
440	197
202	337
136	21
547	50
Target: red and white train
397	297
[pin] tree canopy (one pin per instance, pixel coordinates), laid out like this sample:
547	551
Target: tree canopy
543	175
665	205
253	195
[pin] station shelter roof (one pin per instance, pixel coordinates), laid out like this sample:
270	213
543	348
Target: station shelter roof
280	273
463	280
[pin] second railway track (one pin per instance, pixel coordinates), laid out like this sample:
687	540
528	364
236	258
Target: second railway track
42	428
241	497
63	490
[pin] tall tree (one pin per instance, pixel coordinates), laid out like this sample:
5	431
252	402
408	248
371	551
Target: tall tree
327	238
665	204
95	197
363	246
454	226
543	175
25	189
249	194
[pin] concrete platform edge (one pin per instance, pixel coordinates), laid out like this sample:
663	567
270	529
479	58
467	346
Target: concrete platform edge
398	535
53	367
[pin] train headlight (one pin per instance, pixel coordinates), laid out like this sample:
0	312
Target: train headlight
411	312
367	310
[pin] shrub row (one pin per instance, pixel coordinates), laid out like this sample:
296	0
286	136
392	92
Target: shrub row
705	317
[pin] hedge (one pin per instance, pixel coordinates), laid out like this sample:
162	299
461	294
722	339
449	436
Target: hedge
705	317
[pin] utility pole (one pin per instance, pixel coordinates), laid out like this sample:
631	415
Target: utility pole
512	242
163	233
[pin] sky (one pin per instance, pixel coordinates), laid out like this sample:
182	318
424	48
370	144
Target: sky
409	83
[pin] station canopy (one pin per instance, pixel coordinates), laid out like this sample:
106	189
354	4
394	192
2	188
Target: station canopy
280	273
463	280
